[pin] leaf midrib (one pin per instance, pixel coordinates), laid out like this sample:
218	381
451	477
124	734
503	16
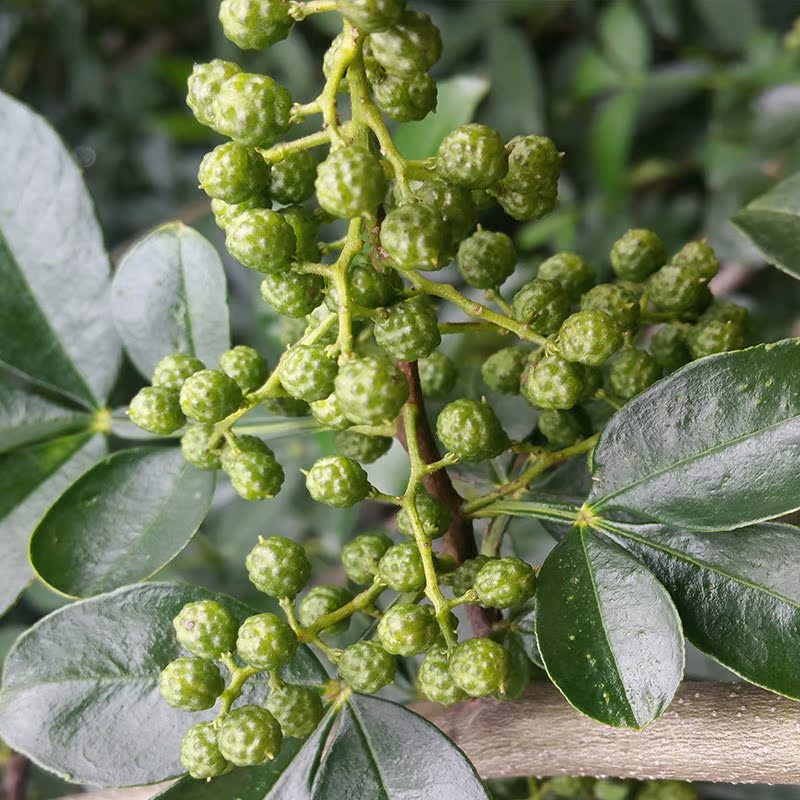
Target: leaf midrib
367	741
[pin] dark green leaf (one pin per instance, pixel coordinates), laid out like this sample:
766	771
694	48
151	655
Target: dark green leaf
55	317
608	632
625	37
169	296
738	594
732	23
712	447
121	522
80	689
525	627
520	671
772	223
611	140
540	507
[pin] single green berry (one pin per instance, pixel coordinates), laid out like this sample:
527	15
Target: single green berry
246	366
631	372
366	667
552	382
233	173
415	237
479	667
715	336
401	568
411	45
157	410
528	206
722	311
589	337
227	214
410	330
195	445
298	709
255	24
562	428
329	412
435	681
321	601
266	642
487	259
669	346
371	390
173	370
471	430
200	754
191	684
206	629
573	273
252	468
306	233
278	567
350	182
366	286
502	370
505	582
472	156
700	257
262	240
534	164
542	305
617	301
433	514
371	15
437	375
251	109
204	84
360	557
408	629
455	206
248	736
638	254
464	576
293	294
209	396
361	447
307	373
406	98
293	178
678	289
337	481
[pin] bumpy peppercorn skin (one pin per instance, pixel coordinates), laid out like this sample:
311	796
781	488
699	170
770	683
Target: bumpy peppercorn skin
487	259
437	375
191	684
206	629
435	680
337	481
233	173
248	736
371	15
265	641
204	85
246	366
575	274
371	390
197	450
360	558
254	472
541	304
157	410
414	236
471	430
408	629
434	515
307	373
173	370
617	301
409	331
323	600
350	182
406	98
292	294
293	178
298	709
401	568
255	24
505	582
262	240
552	382
200	754
503	370
464	576
479	667
589	337
637	255
472	156
366	667
631	372
278	567
361	447
411	45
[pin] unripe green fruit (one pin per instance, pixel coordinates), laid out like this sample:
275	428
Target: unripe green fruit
266	642
487	259
411	45
361	447
472	156
233	173
434	515
464	576
286	407
371	390
678	288
249	735
252	468
298	709
209	396
246	366
479	667
227	214
534	164
321	601
525	207
408	629
173	370
616	301
371	15
437	375
638	254
191	684
251	110
360	558
542	305
293	178
204	84
255	24
471	430
573	273
722	311
589	337
505	582
700	257
337	481
562	428
366	667
454	205
715	336
157	410
502	370
669	346
631	372
278	567
435	681
196	450
415	237
367	287
262	240
200	754
350	182
406	98
410	330
307	373
206	629
306	232
329	412
552	382
401	568
293	294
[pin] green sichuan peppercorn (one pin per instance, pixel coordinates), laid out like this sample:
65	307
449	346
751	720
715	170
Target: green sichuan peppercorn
361	447
246	366
278	567
410	330
371	15
255	24
249	735
209	396
204	85
631	372
371	390
262	240
471	430
486	259
617	301
337	481
293	294
233	173
366	667
472	156
415	237
408	629
434	516
350	182
293	178
266	642
552	382
321	601
573	273
200	754
157	410
173	370
360	558
638	254
502	370
411	45
435	680
437	375
298	709
206	629
479	667
589	337
541	304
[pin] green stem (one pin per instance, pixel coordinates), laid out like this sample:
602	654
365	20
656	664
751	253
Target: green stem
278	152
358	603
468	327
239	676
349	49
352	247
300	10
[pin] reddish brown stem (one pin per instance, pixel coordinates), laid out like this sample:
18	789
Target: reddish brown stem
15	777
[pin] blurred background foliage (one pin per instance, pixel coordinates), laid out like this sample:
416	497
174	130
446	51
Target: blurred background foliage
672	114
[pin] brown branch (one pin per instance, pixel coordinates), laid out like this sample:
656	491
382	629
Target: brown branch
15	777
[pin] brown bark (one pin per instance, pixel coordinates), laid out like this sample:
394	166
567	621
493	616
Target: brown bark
15	777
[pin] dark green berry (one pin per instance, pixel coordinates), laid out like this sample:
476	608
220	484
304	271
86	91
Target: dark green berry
589	337
415	237
298	709
455	206
616	301
307	373
371	390
278	567
479	667
350	182
262	240
552	382
157	410
638	254
248	736
700	257
669	347
487	259
562	428
329	412
678	289
227	214
173	370
209	396
542	305
408	629
321	601
366	667
715	336
337	481
293	294
722	311
472	156
246	366
204	84
464	576
401	568
411	45
200	754
631	372
255	24
286	407
366	286
233	173
505	582
534	164
265	641
435	681
254	472
371	15
573	273
502	370
195	445
293	178
206	629
306	233
525	207
437	375
191	684
360	557
471	430
361	447
406	98
433	514
410	330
